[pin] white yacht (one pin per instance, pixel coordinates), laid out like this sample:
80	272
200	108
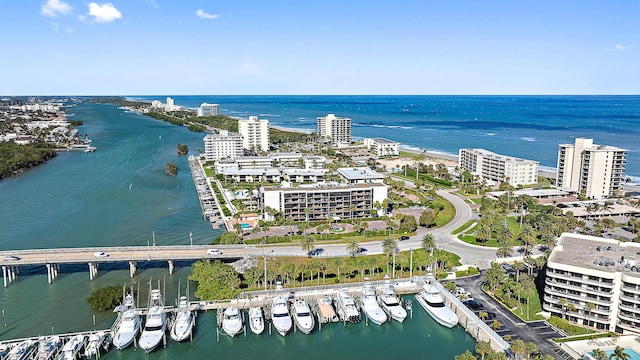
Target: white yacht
432	302
232	321
184	321
95	342
256	320
302	316
347	308
370	305
20	351
47	347
155	324
129	325
280	315
71	348
391	303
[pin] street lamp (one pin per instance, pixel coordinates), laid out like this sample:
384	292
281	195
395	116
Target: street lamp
265	266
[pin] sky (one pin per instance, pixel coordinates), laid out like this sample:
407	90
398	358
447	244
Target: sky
329	47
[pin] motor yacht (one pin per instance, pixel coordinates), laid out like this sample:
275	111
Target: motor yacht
47	347
94	344
155	323
256	320
303	316
391	303
370	305
432	302
232	321
280	315
19	351
70	350
184	321
347	307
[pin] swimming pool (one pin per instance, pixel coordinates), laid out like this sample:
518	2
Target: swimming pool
633	355
245	225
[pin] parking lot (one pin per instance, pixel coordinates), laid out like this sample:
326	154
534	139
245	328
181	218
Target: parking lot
538	332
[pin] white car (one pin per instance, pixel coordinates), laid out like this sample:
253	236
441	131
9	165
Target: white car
214	252
100	254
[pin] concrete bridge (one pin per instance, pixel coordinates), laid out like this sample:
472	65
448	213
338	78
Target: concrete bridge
93	256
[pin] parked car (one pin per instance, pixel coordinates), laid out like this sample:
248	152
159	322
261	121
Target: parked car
473	305
508	268
11	258
316	251
100	254
490	315
404	237
214	252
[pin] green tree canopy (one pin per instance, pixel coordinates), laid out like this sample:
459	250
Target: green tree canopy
105	298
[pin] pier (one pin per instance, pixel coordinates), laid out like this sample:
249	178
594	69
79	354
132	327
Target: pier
211	208
313	295
93	257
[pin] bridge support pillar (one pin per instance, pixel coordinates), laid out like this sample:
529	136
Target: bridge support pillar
4	275
170	267
132	268
93	270
12	273
49	274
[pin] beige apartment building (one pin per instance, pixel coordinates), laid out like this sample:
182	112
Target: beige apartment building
255	133
224	145
594	281
594	171
382	146
334	130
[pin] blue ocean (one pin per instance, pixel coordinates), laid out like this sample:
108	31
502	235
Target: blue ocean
529	127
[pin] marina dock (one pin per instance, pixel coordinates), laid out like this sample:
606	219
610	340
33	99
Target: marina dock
211	208
324	312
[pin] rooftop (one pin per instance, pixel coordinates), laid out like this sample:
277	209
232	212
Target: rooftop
384	141
597	253
491	154
359	173
536	193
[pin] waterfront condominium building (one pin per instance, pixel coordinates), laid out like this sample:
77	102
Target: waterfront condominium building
382	146
334	130
594	281
354	197
224	145
209	109
496	167
319	202
594	171
255	133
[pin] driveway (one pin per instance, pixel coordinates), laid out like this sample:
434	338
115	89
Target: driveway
537	332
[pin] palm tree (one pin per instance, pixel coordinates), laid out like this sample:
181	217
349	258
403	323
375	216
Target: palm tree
518	347
518	266
599	354
619	354
589	307
338	262
505	250
483	348
467	355
389	246
527	236
428	242
308	243
483	233
353	248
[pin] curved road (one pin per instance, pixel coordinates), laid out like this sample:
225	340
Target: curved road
469	254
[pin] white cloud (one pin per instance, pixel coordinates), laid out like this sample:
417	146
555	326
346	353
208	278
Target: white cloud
622	47
204	15
103	13
53	8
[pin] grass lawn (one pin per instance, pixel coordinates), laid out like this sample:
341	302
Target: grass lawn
351	268
463	227
476	200
445	216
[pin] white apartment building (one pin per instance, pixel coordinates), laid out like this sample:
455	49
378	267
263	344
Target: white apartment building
594	281
208	109
224	145
382	146
594	171
495	167
334	130
169	106
255	133
323	201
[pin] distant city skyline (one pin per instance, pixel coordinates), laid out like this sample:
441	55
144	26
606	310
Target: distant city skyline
145	47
